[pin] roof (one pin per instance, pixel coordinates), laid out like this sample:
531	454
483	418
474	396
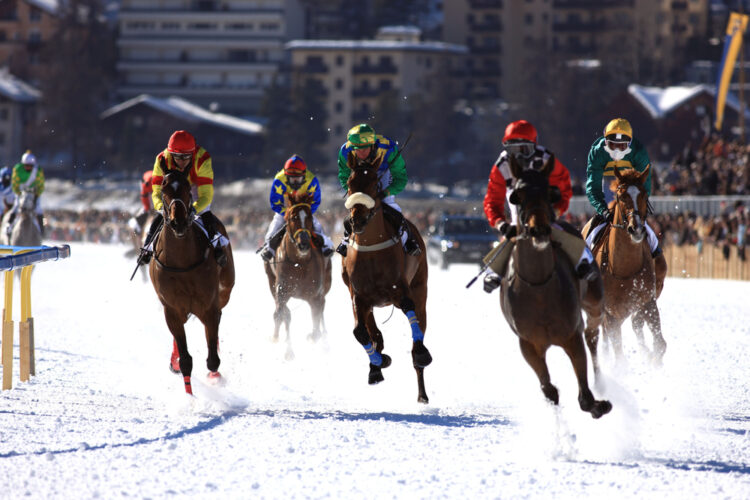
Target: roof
400	30
189	112
50	6
376	45
659	102
16	89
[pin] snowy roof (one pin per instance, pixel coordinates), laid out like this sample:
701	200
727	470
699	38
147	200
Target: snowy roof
185	110
659	101
16	89
376	45
400	30
51	6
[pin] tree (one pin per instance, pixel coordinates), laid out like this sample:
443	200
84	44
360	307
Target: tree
78	71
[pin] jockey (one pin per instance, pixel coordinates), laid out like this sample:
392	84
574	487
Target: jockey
27	175
293	177
185	156
364	147
520	141
6	191
136	222
617	147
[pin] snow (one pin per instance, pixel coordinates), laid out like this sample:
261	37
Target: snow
105	418
15	89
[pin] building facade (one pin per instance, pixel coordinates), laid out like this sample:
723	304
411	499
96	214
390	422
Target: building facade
646	39
25	25
17	107
217	53
355	73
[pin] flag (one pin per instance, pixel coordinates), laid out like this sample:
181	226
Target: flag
735	28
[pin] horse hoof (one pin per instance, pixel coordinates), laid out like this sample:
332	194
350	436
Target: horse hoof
423	399
550	392
420	355
174	366
376	376
386	361
601	408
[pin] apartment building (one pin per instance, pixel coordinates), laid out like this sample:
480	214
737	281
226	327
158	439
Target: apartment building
24	27
646	39
353	74
220	54
17	102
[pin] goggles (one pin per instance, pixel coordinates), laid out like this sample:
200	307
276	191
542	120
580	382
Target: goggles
618	145
523	149
182	156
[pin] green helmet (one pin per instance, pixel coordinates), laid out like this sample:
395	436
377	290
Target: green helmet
361	136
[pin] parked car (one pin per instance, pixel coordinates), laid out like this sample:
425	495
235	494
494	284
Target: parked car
460	239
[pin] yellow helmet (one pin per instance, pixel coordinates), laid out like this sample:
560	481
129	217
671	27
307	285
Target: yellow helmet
619	129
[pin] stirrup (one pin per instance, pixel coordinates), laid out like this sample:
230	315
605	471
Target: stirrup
491	282
327	251
266	254
412	248
144	257
585	271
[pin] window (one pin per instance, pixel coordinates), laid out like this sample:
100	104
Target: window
385	85
339	60
338	106
3	114
339	84
528	19
35	15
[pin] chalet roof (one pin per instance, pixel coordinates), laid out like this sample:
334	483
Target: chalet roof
189	112
16	89
659	102
49	6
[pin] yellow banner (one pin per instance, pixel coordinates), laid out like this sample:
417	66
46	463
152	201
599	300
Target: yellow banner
735	29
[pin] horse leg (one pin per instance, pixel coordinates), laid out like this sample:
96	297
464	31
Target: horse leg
576	351
653	319
174	361
536	361
373	349
176	324
211	322
593	306
637	321
612	327
316	307
419	353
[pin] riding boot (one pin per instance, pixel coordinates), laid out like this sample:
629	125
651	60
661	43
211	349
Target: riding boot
209	223
40	220
399	223
597	221
660	270
341	249
269	249
153	230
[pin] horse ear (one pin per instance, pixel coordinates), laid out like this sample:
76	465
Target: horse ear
515	168
617	173
548	166
644	175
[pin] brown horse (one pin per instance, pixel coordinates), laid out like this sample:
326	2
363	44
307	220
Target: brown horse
379	273
299	269
187	278
624	257
540	295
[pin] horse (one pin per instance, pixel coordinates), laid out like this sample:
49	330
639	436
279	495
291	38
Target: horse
540	295
379	273
624	257
137	238
187	278
299	269
26	231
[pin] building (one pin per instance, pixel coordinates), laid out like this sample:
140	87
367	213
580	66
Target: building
135	131
25	25
645	39
17	103
353	74
216	53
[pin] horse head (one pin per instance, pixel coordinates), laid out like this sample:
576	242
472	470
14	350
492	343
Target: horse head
534	197
363	199
299	221
27	200
177	200
631	202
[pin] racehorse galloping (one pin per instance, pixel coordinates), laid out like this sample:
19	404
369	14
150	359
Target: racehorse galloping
299	269
187	278
624	258
379	273
540	294
26	231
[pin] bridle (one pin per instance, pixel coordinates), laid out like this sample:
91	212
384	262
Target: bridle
630	213
303	230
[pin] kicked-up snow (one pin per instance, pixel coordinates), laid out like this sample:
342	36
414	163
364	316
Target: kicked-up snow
105	418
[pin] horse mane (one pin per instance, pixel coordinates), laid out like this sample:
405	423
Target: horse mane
295	197
630	178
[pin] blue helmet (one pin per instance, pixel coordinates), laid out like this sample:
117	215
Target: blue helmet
5	172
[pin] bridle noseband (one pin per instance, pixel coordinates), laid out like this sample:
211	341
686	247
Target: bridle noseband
630	213
302	229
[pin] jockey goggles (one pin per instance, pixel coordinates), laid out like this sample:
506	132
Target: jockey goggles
619	145
182	156
523	149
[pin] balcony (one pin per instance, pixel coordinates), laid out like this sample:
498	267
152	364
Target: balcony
380	68
487	26
486	4
314	67
679	5
485	50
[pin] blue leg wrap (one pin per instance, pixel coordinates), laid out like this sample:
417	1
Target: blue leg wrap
416	332
375	357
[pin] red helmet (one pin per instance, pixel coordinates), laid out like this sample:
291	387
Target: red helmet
181	142
295	166
520	130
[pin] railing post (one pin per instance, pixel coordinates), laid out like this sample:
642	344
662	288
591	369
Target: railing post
7	355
